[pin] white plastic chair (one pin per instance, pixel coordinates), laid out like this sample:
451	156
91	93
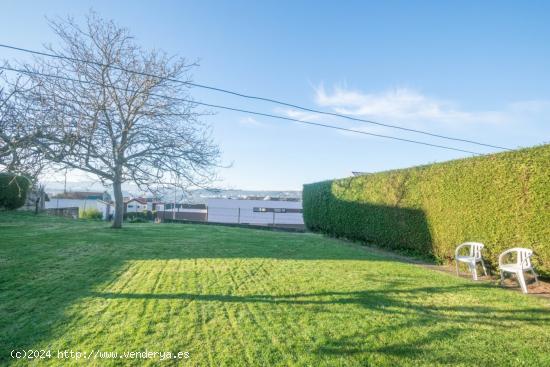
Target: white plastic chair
523	263
473	257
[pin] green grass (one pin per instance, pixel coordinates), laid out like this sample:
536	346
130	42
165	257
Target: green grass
232	296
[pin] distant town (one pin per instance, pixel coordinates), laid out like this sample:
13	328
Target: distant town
260	208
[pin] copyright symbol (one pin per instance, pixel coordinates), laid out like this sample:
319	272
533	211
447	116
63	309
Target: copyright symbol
15	354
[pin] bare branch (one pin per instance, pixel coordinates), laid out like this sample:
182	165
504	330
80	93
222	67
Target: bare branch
100	118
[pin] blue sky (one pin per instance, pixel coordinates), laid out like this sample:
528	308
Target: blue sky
477	70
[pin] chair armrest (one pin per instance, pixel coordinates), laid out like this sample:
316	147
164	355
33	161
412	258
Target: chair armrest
501	256
457	250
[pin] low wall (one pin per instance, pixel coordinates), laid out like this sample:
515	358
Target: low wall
193	216
63	212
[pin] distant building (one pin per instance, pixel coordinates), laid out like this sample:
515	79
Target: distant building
154	203
180	211
84	200
135	205
36	199
84	195
267	211
107	209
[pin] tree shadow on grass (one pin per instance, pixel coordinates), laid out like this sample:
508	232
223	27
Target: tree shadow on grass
383	301
402	307
48	269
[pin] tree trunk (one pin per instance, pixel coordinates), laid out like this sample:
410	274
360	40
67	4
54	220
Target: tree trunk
119	204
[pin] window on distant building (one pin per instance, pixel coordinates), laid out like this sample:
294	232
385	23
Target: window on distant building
276	210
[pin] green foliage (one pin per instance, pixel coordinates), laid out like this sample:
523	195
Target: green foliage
139	217
135	219
13	191
90	214
501	200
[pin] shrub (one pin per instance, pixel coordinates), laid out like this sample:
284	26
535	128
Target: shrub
90	214
502	200
145	215
137	219
13	190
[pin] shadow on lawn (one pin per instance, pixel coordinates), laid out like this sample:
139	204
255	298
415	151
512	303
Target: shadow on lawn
404	309
70	261
49	264
391	301
431	329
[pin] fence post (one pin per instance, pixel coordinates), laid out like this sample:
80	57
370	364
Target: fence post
239	215
273	217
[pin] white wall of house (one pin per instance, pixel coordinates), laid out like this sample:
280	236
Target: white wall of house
242	211
83	204
106	209
134	206
184	210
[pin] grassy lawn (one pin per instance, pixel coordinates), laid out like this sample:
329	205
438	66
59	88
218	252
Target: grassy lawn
232	296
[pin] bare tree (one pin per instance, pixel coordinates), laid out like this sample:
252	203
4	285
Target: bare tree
17	152
115	110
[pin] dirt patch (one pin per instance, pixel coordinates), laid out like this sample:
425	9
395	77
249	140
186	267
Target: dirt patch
541	288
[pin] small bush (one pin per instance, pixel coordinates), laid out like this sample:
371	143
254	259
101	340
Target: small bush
13	191
146	216
138	220
91	214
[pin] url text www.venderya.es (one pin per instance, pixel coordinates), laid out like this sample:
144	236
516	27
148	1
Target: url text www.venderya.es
96	354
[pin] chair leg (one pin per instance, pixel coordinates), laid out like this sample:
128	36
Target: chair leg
501	277
521	279
536	277
484	269
474	270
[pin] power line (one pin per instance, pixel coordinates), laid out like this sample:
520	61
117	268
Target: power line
265	99
242	110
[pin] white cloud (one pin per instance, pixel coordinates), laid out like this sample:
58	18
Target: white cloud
302	115
251	122
410	108
403	105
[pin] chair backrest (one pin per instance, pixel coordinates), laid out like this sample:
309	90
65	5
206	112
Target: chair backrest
475	249
523	257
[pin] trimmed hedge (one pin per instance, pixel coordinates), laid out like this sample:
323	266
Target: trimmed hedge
13	191
501	200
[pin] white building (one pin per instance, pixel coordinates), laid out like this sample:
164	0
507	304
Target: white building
84	200
135	205
107	209
82	204
258	212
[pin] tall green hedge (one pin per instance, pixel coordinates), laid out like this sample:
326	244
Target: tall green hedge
501	200
13	191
